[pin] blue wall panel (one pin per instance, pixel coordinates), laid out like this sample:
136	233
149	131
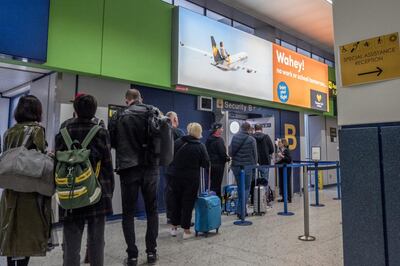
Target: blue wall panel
23	28
363	234
391	170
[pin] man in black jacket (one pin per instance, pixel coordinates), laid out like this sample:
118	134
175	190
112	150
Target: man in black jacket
138	168
217	151
265	149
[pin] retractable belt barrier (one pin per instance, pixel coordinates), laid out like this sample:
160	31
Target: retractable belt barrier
307	167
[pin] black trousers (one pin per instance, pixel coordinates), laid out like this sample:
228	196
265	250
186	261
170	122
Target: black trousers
217	174
23	262
289	182
133	179
72	232
182	199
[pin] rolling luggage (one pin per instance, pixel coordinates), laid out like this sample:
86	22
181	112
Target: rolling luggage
260	196
231	199
207	210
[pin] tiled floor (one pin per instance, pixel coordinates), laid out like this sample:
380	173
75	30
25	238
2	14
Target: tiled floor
271	240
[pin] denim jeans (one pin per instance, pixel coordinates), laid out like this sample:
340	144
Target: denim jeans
73	230
145	179
247	182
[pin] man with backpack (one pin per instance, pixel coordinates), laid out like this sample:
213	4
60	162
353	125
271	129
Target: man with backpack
132	137
265	149
84	182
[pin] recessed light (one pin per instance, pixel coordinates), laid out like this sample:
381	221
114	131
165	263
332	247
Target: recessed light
329	1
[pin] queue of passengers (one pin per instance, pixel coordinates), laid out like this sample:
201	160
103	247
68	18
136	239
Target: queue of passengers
26	218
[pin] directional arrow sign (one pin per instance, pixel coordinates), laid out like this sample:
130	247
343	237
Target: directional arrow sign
378	71
379	60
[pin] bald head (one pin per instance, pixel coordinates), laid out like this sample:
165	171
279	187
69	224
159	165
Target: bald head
133	96
174	118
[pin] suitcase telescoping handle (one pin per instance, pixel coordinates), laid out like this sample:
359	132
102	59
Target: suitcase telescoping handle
203	188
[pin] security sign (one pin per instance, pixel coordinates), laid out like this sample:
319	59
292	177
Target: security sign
370	60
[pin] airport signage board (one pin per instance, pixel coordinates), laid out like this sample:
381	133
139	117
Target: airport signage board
211	55
299	80
370	60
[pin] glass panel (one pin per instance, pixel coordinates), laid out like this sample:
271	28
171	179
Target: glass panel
288	45
329	63
318	58
190	6
243	27
303	52
218	17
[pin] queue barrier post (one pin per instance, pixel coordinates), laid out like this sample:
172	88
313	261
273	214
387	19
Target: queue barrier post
306	236
242	196
338	180
285	194
316	185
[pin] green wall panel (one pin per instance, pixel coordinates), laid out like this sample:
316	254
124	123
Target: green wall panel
137	41
75	35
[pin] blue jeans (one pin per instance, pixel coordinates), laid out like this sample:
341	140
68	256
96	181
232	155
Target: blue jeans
247	181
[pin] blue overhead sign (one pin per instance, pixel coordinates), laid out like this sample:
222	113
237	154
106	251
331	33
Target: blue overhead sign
24	28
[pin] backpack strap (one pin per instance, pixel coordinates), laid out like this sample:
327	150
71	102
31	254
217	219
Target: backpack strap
93	131
66	137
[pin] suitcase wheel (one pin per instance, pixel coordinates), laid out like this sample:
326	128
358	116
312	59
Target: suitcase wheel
206	234
217	230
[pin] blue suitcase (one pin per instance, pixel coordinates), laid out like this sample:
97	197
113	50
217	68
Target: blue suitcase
207	214
207	210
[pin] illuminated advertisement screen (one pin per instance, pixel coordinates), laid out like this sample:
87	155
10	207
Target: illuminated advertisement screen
299	80
215	56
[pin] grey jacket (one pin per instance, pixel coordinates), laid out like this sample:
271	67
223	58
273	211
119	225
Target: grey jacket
243	150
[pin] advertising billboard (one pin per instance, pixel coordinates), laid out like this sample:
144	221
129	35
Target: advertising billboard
299	80
215	56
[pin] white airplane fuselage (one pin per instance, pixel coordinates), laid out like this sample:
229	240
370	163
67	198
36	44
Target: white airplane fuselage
232	62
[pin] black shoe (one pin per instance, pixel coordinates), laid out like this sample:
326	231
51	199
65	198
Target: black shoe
130	262
281	200
290	201
151	258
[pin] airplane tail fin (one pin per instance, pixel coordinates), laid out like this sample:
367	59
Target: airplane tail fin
215	51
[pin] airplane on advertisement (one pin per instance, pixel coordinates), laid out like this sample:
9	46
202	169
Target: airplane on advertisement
222	60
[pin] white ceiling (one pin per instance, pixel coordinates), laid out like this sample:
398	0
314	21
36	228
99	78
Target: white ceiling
309	20
12	76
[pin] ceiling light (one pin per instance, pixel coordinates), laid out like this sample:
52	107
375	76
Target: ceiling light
329	1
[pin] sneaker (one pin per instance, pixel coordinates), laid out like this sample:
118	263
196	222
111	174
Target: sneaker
173	232
130	261
187	236
151	258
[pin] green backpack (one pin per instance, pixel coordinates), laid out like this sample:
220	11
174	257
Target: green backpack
77	185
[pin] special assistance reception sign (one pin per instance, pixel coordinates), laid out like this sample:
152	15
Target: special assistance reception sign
299	80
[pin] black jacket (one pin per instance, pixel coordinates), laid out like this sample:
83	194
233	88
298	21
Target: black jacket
265	148
287	157
190	155
129	135
243	150
216	150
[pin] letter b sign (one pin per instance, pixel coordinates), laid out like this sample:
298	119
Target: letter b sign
290	135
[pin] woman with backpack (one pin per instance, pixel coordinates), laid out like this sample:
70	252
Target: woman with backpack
25	218
184	176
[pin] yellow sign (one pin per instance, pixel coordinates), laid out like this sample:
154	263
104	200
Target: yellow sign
370	60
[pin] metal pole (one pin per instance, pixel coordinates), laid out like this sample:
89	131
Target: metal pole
338	180
306	236
317	204
285	194
242	221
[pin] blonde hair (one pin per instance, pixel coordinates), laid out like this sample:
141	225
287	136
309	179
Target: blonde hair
195	130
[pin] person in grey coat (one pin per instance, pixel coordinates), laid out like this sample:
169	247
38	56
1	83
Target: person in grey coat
243	150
